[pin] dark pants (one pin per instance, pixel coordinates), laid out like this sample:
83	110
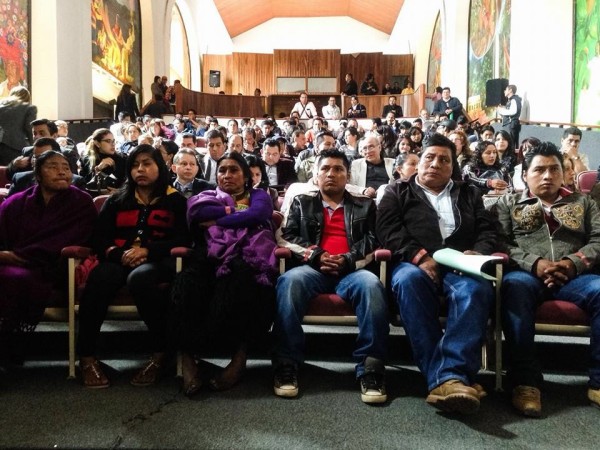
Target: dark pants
143	283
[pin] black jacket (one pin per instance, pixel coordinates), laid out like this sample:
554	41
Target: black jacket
302	229
408	223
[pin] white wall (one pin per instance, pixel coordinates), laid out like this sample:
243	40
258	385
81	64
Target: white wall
541	57
61	77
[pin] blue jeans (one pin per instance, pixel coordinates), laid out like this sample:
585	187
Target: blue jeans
362	289
522	292
455	353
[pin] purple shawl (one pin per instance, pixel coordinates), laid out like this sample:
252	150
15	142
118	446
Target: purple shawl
246	234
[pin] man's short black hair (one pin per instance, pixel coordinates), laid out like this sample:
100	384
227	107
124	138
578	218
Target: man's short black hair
320	137
542	149
189	135
271	142
42	142
52	128
215	134
439	140
572	130
334	153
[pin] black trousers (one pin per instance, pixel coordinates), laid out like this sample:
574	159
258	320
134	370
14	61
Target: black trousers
143	283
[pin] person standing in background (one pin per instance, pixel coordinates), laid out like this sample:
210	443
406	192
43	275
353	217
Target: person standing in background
16	114
511	112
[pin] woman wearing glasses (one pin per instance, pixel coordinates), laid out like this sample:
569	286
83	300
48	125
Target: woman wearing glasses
102	167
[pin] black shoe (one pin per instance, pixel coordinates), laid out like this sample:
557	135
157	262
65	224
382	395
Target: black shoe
372	388
285	381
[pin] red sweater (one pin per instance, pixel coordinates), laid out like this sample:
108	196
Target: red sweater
334	239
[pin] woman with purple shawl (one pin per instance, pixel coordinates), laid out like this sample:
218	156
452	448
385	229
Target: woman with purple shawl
34	227
227	297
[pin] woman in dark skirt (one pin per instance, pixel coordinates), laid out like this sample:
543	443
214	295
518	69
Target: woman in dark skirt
227	296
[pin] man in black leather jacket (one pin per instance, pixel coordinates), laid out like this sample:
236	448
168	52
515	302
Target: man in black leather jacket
414	219
331	235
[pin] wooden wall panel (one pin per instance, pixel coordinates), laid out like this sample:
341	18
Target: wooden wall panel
383	67
220	105
224	63
243	72
251	71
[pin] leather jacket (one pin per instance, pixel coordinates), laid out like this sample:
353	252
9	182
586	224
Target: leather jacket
302	229
407	223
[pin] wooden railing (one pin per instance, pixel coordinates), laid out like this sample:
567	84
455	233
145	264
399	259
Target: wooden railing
250	106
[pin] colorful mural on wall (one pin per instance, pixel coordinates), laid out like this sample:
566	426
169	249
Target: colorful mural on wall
489	52
586	85
14	44
434	73
116	39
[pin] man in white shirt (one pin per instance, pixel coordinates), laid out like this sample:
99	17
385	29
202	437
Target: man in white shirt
304	108
331	110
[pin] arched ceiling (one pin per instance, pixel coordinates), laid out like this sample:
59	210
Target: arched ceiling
240	16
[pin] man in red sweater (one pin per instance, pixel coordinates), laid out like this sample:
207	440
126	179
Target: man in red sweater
331	235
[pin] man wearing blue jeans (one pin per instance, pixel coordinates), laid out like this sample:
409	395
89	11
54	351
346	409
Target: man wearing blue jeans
332	236
415	218
554	243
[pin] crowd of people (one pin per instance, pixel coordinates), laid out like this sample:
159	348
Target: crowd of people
413	187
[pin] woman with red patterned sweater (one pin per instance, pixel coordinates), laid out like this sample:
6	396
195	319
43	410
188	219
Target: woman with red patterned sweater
136	230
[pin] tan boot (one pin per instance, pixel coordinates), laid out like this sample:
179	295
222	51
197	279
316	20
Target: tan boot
594	397
527	400
454	396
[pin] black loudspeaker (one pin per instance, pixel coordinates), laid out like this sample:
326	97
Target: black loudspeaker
214	79
494	92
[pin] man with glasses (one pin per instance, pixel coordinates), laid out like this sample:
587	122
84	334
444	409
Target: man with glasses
372	170
415	218
331	110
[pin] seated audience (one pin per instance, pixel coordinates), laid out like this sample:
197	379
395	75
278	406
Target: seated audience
414	220
280	171
392	107
506	150
350	148
227	295
464	155
485	170
323	141
356	109
136	230
526	145
405	167
185	167
259	178
24	180
373	170
570	142
405	144
331	110
132	132
35	225
331	261
553	239
102	168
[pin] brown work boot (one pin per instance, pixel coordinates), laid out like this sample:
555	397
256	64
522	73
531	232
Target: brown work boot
527	399
454	396
594	397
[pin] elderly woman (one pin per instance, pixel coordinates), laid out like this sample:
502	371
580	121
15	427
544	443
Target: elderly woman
34	227
227	297
102	167
136	230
